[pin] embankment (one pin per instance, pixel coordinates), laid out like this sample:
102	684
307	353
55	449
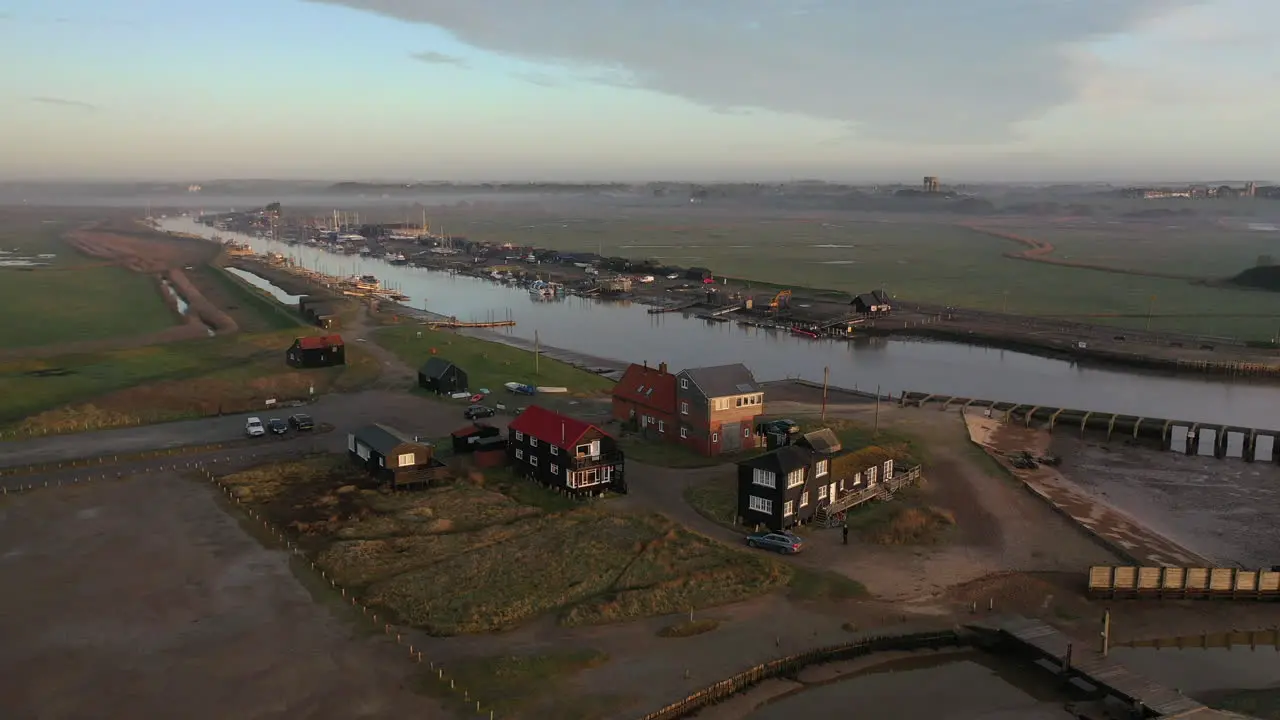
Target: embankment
1042	252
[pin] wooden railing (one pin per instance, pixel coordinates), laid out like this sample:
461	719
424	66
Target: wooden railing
892	485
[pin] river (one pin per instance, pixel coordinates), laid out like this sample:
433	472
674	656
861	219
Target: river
627	332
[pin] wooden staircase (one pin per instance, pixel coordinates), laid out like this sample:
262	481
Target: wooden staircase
832	514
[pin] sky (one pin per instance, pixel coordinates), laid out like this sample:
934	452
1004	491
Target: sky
632	90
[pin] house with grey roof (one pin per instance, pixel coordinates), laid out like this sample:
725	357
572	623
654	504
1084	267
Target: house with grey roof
717	408
394	458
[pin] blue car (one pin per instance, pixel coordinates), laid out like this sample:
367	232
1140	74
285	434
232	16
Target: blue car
783	542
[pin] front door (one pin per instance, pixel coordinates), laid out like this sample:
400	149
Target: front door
730	437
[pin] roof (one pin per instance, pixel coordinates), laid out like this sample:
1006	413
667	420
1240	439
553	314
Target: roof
382	438
317	342
484	428
822	441
881	295
867	299
647	386
722	380
856	462
436	367
783	460
551	427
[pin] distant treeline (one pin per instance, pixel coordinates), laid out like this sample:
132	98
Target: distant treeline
1263	277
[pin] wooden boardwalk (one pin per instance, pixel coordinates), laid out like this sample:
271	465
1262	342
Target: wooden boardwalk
1046	643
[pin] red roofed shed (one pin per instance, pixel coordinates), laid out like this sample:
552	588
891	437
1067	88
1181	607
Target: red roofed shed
317	351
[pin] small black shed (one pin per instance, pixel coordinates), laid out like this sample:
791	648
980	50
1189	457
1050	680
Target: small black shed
872	303
441	376
467	439
697	273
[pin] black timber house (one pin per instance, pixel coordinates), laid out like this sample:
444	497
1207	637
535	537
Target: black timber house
564	453
316	351
442	377
394	458
795	483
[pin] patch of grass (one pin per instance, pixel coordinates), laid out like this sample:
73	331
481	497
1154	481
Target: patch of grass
252	309
467	557
666	454
905	450
75	299
159	383
807	584
905	520
715	499
487	364
512	684
689	628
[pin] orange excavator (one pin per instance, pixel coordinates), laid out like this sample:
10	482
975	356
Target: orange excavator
781	301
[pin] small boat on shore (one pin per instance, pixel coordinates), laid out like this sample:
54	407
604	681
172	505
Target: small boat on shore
398	259
804	333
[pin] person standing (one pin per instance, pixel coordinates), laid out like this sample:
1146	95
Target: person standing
844	533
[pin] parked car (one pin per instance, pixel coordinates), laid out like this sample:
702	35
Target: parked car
253	427
478	411
783	542
673	276
302	421
277	426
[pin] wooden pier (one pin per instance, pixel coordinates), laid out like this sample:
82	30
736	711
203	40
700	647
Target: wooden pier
1044	643
456	324
1191	438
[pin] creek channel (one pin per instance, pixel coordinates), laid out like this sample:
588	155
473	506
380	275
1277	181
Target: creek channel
181	303
626	332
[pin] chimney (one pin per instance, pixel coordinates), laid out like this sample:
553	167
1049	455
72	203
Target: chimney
646	364
562	434
662	368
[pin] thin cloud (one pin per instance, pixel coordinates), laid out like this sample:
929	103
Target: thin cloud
64	102
537	78
437	58
911	70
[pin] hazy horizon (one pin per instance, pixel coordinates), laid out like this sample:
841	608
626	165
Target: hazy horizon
993	90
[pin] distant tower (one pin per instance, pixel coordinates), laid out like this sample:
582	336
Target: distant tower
1250	189
930	184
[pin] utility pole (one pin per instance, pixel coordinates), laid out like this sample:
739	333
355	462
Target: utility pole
1106	633
1151	309
535	352
826	375
875	429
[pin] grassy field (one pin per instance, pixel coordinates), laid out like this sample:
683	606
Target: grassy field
164	382
253	310
528	685
934	262
76	298
487	364
481	555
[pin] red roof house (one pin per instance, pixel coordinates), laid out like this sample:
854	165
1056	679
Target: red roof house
564	453
317	351
647	397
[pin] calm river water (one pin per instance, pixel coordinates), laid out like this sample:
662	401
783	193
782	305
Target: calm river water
627	332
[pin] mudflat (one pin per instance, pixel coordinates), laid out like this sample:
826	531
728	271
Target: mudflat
142	598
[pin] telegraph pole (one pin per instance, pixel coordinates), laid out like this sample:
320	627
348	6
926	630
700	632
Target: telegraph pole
826	375
875	430
535	352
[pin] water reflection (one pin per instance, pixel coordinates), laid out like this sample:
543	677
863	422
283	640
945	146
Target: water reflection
961	686
264	284
629	333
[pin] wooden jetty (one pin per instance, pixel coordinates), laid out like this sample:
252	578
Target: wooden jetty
456	324
1192	438
1045	644
680	307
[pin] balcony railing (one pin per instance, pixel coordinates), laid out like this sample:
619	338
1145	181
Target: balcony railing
589	461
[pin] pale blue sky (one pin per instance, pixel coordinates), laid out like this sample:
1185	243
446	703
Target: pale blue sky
640	89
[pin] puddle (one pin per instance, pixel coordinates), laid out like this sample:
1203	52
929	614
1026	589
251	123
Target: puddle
264	284
969	685
835	262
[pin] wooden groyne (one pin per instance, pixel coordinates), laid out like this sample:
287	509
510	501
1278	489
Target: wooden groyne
1183	583
456	324
1192	438
1045	644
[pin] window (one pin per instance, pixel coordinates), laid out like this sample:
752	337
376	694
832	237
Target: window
684	383
582	450
764	478
684	432
519	454
795	478
587	478
715	437
804	498
555	469
519	435
760	505
746	432
821	468
661	427
857	480
684	408
606	473
888	468
533	441
554	450
822	492
533	460
871	476
739	402
405	460
788	508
